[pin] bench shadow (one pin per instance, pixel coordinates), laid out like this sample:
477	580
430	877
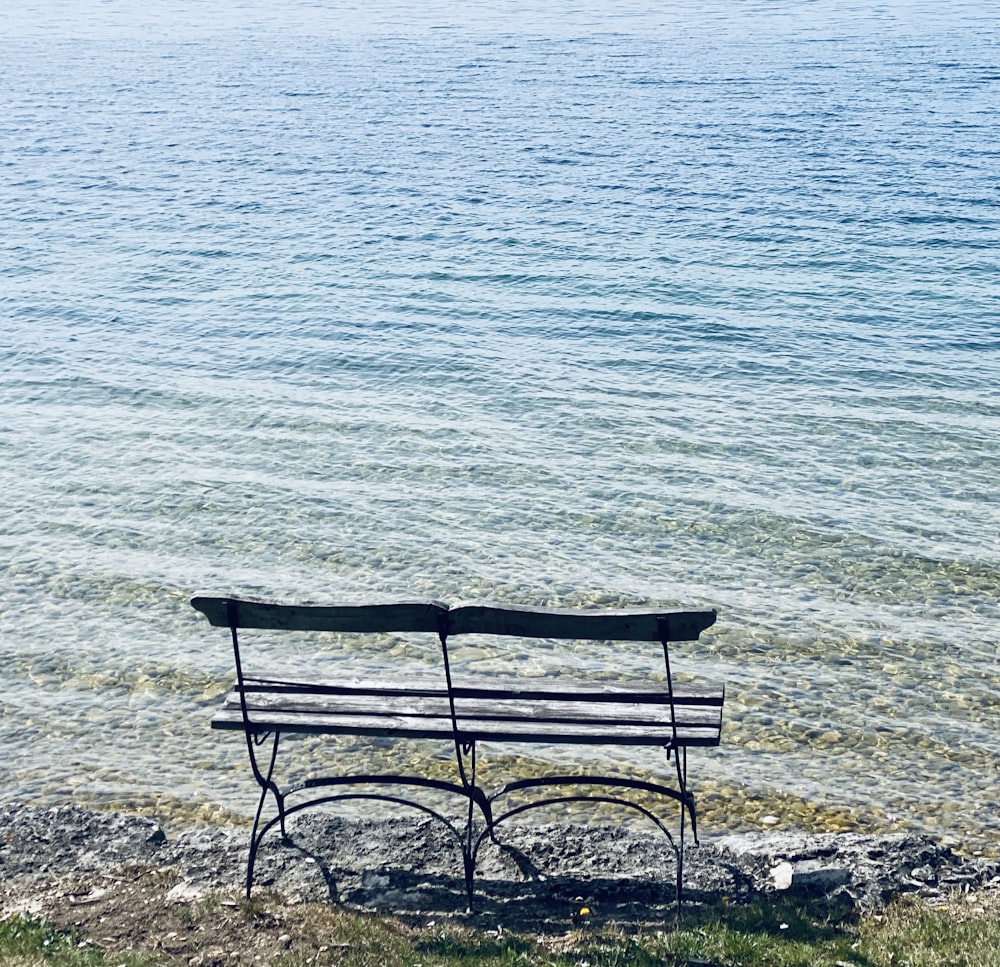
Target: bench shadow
528	899
540	879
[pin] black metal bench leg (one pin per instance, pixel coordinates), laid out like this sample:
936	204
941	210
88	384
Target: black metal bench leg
468	846
680	862
266	785
470	872
686	809
251	860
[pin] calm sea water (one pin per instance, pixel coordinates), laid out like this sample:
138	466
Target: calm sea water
692	305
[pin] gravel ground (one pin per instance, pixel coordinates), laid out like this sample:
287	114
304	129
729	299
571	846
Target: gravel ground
120	881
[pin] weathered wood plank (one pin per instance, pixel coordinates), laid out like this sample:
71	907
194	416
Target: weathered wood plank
595	734
265	703
528	689
419	706
373	689
362	618
491	618
578	713
316	724
641	692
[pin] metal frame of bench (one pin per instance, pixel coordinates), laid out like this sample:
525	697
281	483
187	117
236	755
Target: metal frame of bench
648	714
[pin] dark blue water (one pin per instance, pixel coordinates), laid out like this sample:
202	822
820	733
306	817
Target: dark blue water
695	307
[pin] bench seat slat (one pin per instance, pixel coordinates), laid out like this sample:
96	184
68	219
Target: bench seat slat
319	723
496	708
625	713
495	719
360	687
648	704
526	731
581	734
637	693
527	689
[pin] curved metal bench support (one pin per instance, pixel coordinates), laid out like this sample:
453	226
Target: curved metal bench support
463	838
683	798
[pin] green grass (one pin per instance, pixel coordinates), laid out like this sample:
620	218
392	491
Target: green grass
26	941
965	933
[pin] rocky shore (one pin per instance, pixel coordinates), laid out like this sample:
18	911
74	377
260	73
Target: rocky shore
410	867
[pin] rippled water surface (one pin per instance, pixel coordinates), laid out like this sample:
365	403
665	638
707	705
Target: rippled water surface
692	306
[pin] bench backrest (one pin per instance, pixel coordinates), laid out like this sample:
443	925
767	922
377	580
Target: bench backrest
487	618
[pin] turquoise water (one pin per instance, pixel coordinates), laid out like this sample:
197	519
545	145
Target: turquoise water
693	307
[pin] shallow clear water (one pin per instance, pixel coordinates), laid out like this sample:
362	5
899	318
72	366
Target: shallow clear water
694	307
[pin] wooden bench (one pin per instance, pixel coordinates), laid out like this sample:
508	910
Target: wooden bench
466	711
